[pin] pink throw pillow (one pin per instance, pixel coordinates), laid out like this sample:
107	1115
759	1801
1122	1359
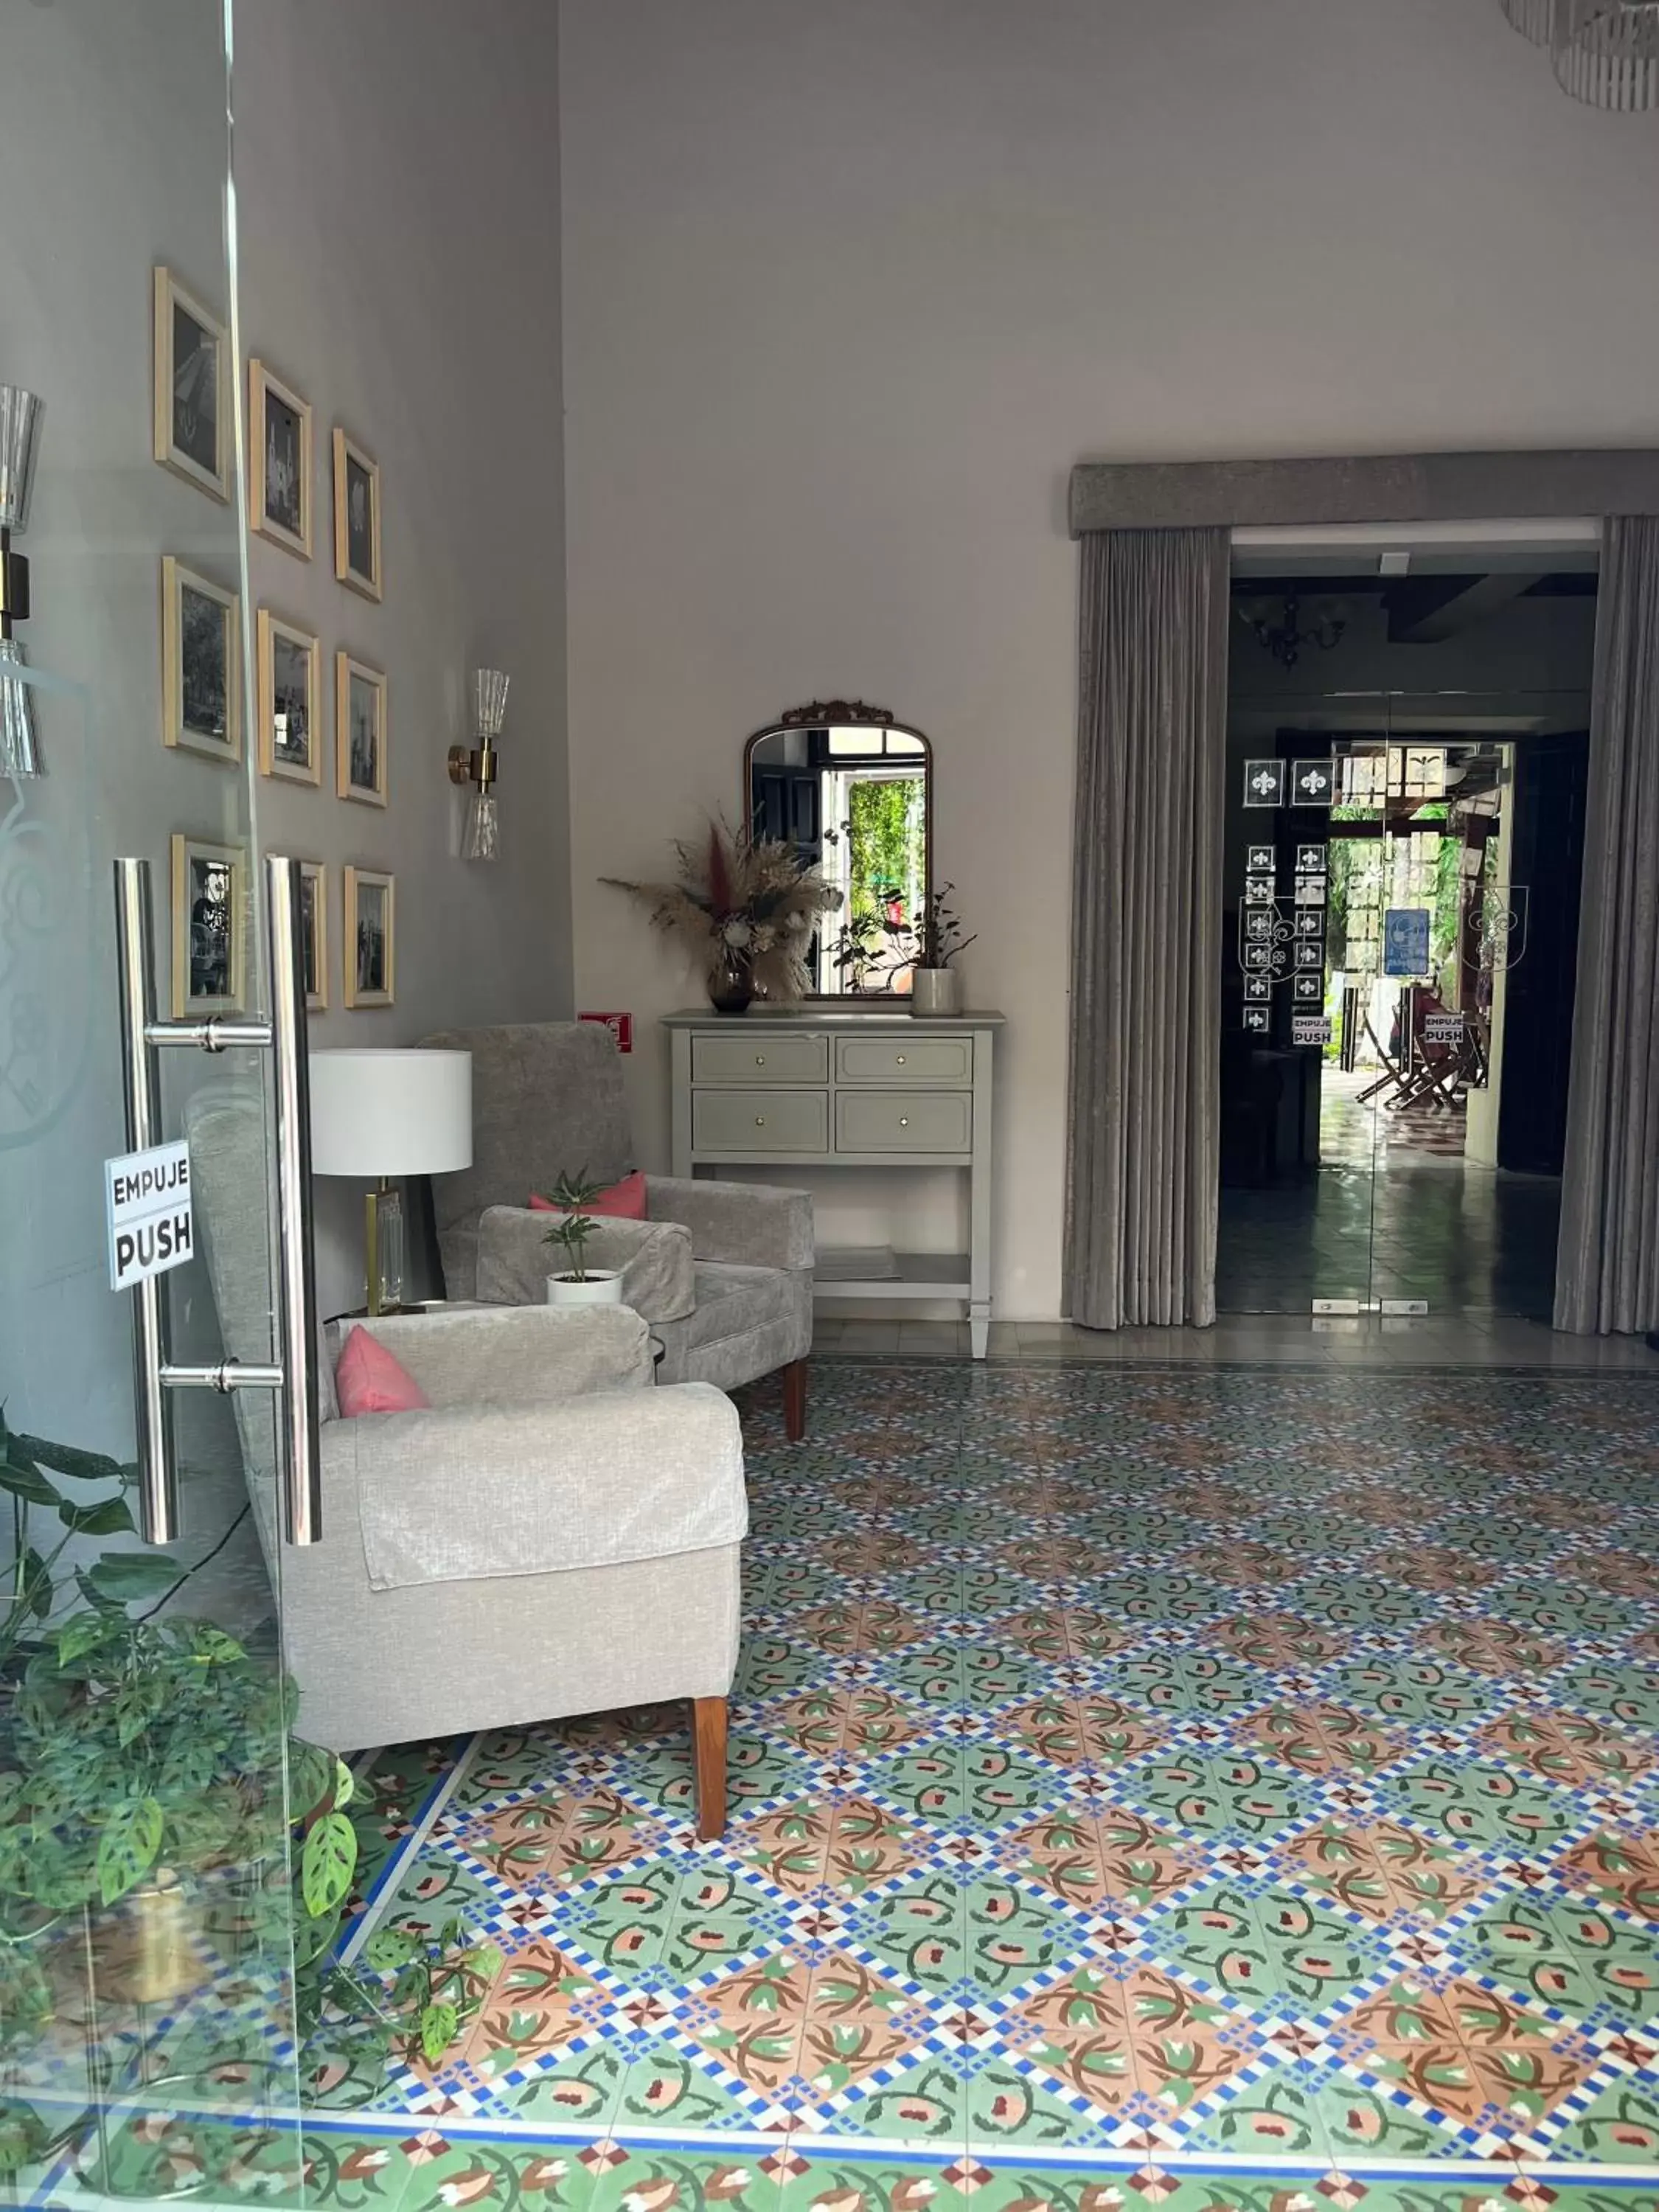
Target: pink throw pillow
622	1201
369	1379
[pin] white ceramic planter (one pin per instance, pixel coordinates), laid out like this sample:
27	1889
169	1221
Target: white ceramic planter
935	990
601	1288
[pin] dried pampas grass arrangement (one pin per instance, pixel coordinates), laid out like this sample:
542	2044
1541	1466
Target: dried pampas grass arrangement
744	907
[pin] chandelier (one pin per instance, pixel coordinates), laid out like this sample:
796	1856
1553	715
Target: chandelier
1285	638
1605	52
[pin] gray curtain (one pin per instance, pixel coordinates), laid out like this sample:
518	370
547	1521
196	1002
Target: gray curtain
1608	1263
1143	1147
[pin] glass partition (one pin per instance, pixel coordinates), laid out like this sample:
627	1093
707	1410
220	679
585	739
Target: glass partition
147	2002
1391	1128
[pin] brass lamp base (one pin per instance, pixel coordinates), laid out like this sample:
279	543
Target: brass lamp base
383	1248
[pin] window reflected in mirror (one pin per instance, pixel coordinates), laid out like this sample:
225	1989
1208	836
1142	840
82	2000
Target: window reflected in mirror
849	790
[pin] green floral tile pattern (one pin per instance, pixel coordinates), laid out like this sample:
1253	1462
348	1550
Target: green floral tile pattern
1148	1789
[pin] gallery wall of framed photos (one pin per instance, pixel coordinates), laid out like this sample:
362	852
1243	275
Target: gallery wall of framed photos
340	754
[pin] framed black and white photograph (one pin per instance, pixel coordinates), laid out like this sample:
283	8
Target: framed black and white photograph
191	356
313	928
371	960
290	701
356	516
360	731
1259	860
1264	782
210	927
279	461
201	665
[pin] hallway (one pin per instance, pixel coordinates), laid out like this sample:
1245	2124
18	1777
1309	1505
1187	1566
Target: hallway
1390	1219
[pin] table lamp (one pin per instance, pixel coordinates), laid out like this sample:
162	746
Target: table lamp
378	1115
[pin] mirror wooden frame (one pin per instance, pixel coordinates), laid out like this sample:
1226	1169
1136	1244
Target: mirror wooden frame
846	715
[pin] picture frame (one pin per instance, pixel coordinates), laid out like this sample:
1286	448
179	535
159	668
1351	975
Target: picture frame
201	665
356	516
290	704
191	366
360	731
279	461
210	927
370	950
313	930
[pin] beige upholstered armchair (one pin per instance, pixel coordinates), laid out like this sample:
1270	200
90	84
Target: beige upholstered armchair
552	1536
721	1271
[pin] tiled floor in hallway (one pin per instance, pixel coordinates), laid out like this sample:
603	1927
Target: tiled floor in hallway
1195	1788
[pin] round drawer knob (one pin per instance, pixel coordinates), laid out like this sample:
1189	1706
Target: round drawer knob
760	1121
904	1120
760	1060
900	1060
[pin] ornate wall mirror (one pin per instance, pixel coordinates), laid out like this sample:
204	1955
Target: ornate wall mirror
852	790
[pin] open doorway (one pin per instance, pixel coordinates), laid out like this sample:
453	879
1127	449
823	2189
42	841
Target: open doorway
1405	815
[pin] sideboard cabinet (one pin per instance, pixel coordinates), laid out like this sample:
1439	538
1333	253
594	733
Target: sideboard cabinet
809	1088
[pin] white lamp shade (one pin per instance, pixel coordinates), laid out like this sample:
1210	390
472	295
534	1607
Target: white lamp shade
390	1113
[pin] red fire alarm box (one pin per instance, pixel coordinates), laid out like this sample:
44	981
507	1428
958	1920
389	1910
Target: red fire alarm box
620	1027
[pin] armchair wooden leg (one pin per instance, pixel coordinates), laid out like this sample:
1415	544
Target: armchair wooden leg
794	1400
708	1752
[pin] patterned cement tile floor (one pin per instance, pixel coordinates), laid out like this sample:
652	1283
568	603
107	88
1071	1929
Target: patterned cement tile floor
1197	1789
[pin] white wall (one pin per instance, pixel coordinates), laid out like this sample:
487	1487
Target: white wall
397	174
848	289
397	167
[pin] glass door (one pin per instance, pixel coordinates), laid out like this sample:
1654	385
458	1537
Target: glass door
148	1781
1300	1129
1377	915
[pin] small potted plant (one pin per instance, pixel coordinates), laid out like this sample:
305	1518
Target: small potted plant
577	1284
935	984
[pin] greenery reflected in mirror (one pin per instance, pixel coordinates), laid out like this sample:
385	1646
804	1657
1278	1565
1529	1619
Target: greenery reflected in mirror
850	789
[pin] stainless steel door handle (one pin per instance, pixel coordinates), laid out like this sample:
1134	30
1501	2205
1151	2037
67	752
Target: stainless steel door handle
141	1077
294	1372
300	1458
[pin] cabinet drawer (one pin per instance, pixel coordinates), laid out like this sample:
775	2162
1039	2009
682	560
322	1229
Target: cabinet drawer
904	1121
904	1060
751	1056
753	1121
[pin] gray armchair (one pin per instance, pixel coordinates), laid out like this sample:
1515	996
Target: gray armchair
498	1559
729	1300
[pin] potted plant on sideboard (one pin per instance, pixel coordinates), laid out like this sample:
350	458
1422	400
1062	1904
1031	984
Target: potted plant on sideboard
935	983
577	1284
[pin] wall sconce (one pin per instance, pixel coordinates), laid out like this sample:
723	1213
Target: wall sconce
20	426
481	840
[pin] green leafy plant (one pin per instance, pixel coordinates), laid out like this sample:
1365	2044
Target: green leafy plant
937	934
573	1227
136	1754
430	1988
871	940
